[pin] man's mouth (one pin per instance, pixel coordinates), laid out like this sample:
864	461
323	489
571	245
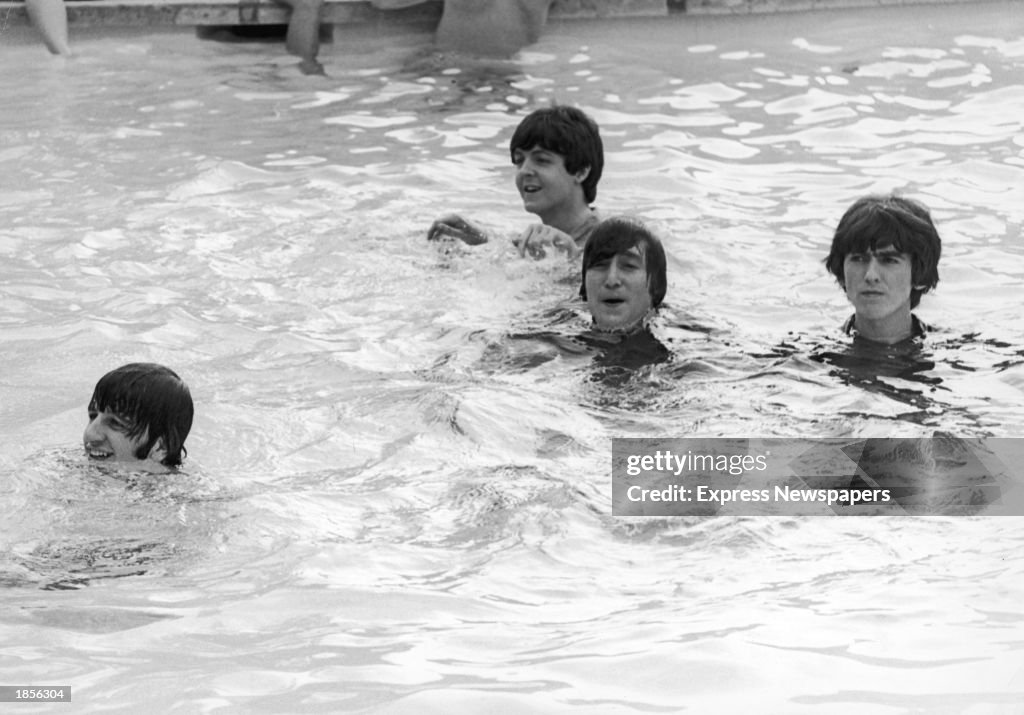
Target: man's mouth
94	453
531	189
613	301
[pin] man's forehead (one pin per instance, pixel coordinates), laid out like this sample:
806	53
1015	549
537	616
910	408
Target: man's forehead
635	252
886	250
535	149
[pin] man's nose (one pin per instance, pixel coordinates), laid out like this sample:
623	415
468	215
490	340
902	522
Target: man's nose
871	273
92	431
613	277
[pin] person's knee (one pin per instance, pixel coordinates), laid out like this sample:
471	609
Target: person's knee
495	27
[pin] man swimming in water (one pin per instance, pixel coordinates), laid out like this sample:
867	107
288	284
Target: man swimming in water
623	280
885	255
559	157
623	283
139	416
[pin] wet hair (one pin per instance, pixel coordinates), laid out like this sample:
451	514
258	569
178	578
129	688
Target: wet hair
151	398
875	222
617	235
567	131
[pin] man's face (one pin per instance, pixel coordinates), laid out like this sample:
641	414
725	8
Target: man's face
106	439
878	283
543	181
617	291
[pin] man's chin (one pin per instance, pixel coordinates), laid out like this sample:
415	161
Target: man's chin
530	205
611	325
878	314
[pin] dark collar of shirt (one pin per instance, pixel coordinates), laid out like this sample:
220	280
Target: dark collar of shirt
919	327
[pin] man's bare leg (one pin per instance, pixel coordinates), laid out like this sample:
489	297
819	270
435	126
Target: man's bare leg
303	38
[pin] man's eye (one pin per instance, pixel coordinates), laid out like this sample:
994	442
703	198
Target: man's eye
92	415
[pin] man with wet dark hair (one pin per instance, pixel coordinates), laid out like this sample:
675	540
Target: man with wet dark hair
623	283
559	157
885	255
566	131
140	415
623	278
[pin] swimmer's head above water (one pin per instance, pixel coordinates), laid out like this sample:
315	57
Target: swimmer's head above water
885	256
624	275
139	415
569	133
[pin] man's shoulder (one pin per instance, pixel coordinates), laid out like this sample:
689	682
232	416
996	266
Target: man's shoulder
583	231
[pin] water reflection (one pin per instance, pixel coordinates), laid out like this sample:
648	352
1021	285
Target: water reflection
435	521
72	523
928	376
612	358
458	82
938	475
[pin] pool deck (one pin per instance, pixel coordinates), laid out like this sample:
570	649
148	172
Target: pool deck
146	13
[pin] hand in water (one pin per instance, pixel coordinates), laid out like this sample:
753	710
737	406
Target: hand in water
538	239
454	226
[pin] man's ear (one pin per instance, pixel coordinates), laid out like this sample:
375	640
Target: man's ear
582	174
158	452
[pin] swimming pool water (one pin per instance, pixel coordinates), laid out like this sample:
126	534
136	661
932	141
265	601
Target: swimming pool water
377	518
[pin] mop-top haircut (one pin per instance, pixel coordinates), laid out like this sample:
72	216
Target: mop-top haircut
154	401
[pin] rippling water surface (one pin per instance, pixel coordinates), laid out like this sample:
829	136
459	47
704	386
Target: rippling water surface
378	515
